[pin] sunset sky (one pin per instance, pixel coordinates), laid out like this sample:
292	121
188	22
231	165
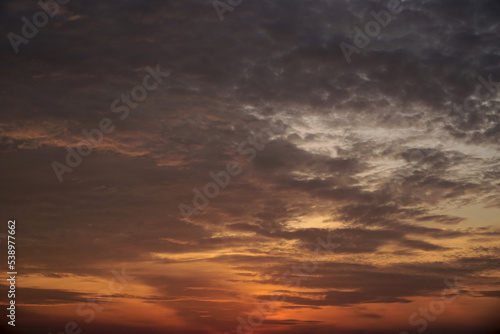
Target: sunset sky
257	166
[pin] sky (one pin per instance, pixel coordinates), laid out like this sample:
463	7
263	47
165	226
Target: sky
265	166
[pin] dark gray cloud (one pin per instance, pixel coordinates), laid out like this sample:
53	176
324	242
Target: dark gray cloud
388	154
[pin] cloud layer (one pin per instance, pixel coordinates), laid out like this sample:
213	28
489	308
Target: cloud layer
395	156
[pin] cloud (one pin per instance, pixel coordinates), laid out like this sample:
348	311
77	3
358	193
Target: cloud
373	154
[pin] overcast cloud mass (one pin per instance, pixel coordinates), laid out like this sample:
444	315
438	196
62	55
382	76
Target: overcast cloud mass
354	185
